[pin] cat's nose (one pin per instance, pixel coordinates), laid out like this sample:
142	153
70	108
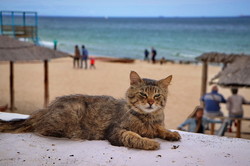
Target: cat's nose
151	102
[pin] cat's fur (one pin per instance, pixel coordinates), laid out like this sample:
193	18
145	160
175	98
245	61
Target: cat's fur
131	122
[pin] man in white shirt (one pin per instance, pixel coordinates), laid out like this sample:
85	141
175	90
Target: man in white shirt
234	105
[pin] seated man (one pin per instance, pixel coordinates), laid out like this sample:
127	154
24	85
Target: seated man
212	102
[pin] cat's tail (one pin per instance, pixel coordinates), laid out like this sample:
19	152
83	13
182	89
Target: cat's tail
15	126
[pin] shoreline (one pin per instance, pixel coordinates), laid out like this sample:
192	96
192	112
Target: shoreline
121	60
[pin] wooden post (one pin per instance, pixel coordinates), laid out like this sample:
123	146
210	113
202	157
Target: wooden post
204	79
238	132
12	98
46	83
212	128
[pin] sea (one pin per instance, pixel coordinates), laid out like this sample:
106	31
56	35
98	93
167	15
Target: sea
173	38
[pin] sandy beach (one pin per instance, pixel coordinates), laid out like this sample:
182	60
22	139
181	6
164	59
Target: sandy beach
110	79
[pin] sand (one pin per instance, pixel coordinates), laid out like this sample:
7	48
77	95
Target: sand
109	79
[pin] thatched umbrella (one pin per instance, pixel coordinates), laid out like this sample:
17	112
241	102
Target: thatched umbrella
215	57
13	50
236	74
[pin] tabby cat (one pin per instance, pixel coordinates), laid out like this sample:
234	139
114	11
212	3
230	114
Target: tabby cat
130	122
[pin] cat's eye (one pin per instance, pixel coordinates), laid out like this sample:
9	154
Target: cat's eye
143	94
157	95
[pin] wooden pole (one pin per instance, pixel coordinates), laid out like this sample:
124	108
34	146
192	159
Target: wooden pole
238	132
204	79
212	128
46	83
12	98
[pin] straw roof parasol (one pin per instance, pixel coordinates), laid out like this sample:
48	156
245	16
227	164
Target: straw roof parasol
215	57
236	74
15	50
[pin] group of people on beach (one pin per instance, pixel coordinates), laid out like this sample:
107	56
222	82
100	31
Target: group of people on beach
200	118
153	55
79	57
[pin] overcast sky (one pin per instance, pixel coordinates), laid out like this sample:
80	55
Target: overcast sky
130	8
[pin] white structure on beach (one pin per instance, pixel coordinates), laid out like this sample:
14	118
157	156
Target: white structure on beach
194	149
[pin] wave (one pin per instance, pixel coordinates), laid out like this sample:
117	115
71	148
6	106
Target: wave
46	43
185	55
41	42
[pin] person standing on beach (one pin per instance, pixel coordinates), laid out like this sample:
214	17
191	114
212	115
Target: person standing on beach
146	53
84	57
234	106
212	102
153	52
76	57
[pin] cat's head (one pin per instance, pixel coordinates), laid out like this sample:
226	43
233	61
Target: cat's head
146	95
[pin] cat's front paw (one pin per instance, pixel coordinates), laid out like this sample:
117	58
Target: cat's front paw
173	136
150	144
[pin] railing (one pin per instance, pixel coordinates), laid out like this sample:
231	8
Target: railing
20	31
238	127
19	24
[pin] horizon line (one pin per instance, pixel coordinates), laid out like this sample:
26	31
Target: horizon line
144	16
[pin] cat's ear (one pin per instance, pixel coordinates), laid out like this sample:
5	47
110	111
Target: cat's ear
165	82
135	79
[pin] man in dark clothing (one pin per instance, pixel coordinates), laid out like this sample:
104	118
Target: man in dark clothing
84	57
146	53
153	52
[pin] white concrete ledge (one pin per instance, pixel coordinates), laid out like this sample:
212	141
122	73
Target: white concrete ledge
193	149
11	116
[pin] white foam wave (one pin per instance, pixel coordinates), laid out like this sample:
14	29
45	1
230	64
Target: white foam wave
46	43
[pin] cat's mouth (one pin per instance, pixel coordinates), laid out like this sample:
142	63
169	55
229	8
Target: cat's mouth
149	108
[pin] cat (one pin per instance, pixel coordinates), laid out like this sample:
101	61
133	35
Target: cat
131	122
